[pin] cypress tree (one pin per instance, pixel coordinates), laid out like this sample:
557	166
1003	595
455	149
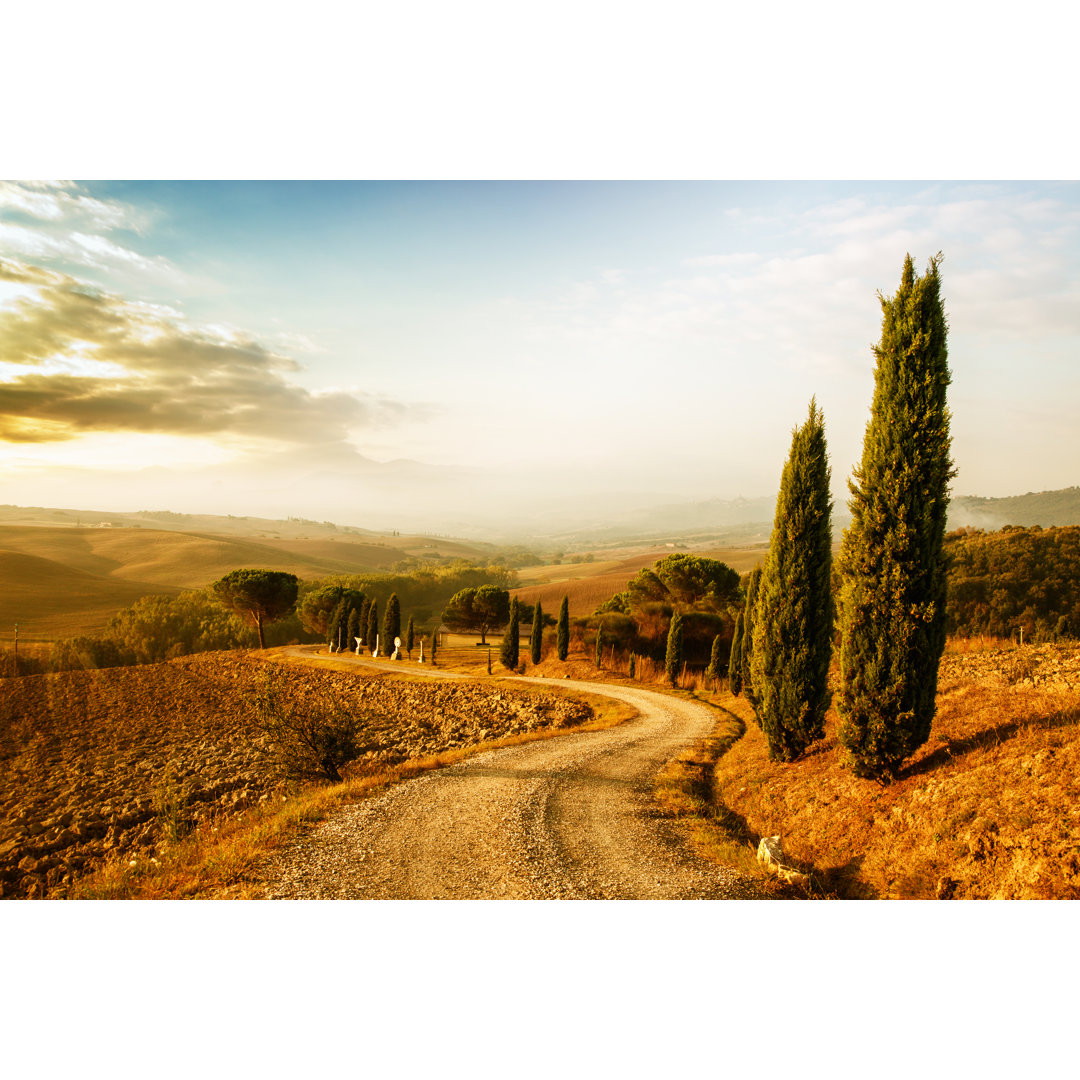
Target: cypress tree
562	630
748	641
734	671
536	638
892	568
713	670
353	631
410	637
600	646
365	608
391	624
673	659
511	642
333	629
434	645
372	624
793	615
633	666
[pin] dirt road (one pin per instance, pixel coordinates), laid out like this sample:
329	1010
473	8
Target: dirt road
570	817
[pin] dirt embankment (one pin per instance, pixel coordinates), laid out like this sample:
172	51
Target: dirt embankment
988	807
106	763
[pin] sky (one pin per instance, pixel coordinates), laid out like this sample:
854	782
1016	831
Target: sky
365	351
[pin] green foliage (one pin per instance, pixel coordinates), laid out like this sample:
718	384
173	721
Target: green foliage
735	658
311	739
715	653
600	646
478	609
892	565
317	605
793	613
372	626
424	590
678	583
410	637
562	630
353	631
263	595
511	642
155	628
391	624
1016	577
674	657
632	671
536	638
434	645
746	653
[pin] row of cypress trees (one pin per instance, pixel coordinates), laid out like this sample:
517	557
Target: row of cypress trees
892	568
509	649
359	618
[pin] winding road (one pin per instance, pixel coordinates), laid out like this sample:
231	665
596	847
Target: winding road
570	817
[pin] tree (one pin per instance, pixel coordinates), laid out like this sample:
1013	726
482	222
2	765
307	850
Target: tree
434	645
511	642
735	659
410	637
892	568
793	614
747	650
372	625
353	631
333	630
562	630
674	658
391	624
713	670
536	638
316	608
600	645
480	609
262	595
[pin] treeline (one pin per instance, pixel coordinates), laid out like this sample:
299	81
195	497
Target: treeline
1015	577
157	628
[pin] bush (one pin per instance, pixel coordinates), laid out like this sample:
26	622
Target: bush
311	741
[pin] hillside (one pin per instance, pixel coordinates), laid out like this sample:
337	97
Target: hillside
1045	508
58	581
589	584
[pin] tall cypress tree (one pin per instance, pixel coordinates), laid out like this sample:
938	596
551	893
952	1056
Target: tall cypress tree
734	671
713	670
391	624
372	625
673	659
410	637
353	631
365	609
511	642
793	614
600	645
892	567
536	638
747	650
333	629
562	630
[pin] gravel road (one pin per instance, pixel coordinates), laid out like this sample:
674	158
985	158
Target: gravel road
565	818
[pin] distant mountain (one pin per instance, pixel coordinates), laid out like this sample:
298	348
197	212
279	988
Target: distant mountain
1043	508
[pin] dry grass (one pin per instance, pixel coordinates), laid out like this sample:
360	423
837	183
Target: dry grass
988	808
221	859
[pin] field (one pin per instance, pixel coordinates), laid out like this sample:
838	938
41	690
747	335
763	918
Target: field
116	763
59	581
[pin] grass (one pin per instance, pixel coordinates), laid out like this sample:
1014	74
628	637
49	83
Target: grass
989	807
220	859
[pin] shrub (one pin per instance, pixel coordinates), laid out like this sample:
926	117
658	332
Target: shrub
311	741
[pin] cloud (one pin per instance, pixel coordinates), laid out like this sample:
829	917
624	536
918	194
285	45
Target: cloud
80	360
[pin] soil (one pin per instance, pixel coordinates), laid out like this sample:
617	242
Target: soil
116	762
